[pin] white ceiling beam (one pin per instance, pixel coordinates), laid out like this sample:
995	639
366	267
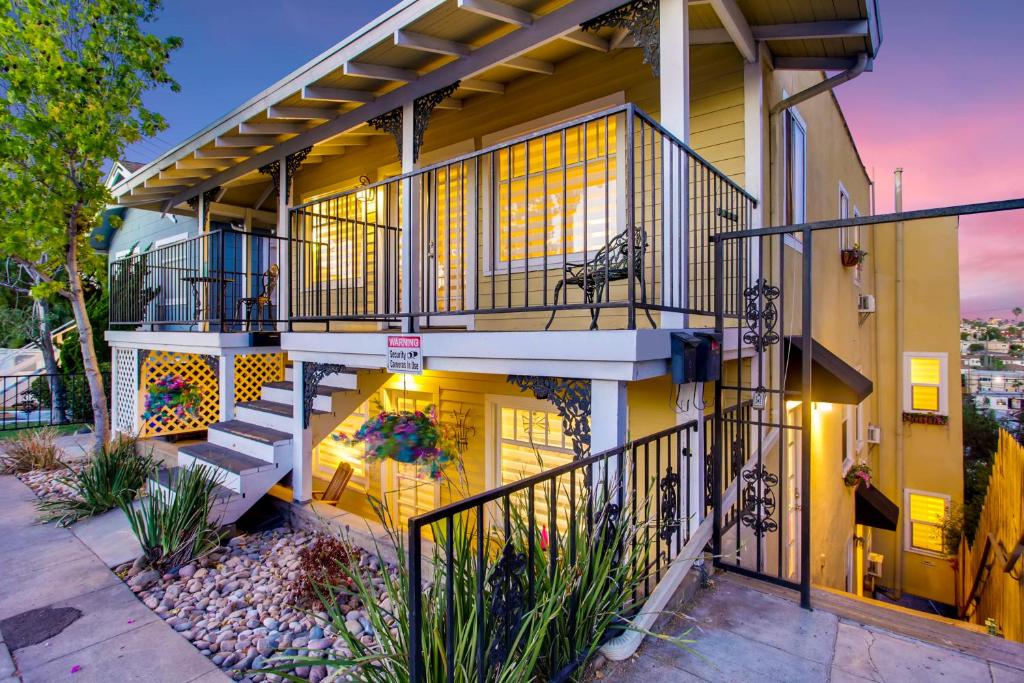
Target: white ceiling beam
248	179
272	128
618	38
220	193
171	182
810	30
736	24
498	11
425	43
231	153
814	63
186	174
211	165
450	103
587	39
263	196
479	85
380	72
239	212
147	191
247	141
325	94
301	113
532	65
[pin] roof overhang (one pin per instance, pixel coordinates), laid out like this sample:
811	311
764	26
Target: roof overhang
833	380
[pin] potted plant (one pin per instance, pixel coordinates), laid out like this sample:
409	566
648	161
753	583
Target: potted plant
172	396
857	474
853	256
411	437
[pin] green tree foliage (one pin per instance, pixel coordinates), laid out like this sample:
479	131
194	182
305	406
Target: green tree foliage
981	440
975	347
993	334
72	77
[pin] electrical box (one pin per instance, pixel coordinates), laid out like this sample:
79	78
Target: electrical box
874	434
866	303
696	357
875	561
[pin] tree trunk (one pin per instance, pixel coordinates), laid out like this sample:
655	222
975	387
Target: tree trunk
97	393
58	402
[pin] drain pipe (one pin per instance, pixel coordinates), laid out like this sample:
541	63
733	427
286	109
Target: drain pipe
898	578
864	63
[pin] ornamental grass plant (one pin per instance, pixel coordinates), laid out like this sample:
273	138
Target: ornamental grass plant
34	449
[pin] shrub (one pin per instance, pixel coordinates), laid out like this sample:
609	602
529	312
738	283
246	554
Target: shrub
113	477
173	527
34	449
324	562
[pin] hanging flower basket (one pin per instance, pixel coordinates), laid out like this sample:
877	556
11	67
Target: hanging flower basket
415	438
853	257
172	397
858	474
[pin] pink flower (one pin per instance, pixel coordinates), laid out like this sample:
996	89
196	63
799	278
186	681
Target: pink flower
76	668
545	542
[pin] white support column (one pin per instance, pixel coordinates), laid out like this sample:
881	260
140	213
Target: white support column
284	248
226	384
410	222
302	441
755	130
674	81
609	425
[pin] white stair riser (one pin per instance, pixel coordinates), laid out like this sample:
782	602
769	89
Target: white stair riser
282	423
341	380
250	447
285	396
228	480
223	510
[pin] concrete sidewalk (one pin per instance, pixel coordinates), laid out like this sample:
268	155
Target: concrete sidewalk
66	617
743	632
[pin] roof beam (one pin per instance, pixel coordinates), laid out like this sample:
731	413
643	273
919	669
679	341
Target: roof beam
498	11
186	174
815	63
324	94
811	29
212	165
247	141
587	40
231	153
736	24
532	65
172	182
380	72
302	113
272	128
513	44
450	103
147	191
263	196
479	85
425	43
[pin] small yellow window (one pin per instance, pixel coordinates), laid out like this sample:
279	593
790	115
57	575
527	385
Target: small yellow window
925	514
925	390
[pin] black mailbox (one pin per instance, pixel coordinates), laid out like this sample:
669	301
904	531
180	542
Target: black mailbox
696	357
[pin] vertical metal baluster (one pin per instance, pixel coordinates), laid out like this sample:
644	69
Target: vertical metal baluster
449	599
481	573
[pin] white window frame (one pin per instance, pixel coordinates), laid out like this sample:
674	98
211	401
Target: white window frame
861	420
493	403
943	382
799	121
850	441
908	536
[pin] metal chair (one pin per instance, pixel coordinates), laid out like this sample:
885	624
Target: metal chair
262	301
609	264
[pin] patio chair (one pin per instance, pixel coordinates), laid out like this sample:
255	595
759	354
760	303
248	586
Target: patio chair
332	494
262	301
609	264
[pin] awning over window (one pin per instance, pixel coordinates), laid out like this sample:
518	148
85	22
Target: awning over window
832	379
874	509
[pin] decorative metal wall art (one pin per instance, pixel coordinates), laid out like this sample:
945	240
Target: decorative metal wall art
761	315
423	107
571	398
462	431
668	525
293	162
640	18
759	500
312	375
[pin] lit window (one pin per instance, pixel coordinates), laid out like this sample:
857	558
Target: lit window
925	383
333	450
925	513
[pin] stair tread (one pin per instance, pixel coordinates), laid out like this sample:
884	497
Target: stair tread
322	390
168	477
225	458
282	409
266	435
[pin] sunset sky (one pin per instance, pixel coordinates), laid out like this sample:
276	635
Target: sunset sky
945	102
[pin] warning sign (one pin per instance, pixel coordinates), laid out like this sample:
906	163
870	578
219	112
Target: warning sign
404	355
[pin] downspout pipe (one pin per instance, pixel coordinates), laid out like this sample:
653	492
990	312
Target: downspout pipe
864	63
898	361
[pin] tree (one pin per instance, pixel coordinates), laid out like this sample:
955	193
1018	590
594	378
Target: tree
975	347
72	76
1017	310
981	440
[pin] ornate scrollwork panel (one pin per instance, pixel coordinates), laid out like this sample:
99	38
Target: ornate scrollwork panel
312	375
640	18
759	500
761	315
571	398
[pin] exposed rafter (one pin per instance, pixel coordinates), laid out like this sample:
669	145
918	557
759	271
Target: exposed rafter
231	153
425	43
212	165
247	141
450	103
587	40
274	128
736	25
532	65
479	85
498	11
267	191
186	175
325	94
301	113
171	182
380	72
815	63
810	30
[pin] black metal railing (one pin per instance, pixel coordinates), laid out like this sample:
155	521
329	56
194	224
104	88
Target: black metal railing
44	400
585	216
223	280
637	494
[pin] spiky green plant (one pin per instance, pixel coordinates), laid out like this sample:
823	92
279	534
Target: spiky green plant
173	526
113	477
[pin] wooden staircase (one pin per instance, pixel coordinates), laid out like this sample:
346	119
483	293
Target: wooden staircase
254	451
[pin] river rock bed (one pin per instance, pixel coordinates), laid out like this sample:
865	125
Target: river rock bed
49	483
236	605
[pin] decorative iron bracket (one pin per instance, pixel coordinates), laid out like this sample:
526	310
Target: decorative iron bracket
759	497
640	18
761	315
312	375
293	162
669	523
212	362
208	197
571	398
423	107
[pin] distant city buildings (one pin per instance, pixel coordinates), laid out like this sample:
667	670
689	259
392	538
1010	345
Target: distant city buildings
992	365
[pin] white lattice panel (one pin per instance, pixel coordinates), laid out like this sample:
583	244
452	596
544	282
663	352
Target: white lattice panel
126	391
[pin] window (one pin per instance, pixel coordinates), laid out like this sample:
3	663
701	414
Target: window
861	437
795	161
850	237
848	447
332	452
924	377
925	513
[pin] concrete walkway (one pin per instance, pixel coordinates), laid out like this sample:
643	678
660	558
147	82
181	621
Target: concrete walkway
745	633
83	623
